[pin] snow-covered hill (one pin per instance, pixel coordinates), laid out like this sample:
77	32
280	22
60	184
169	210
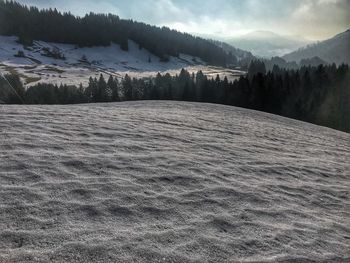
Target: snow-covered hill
37	63
334	50
170	182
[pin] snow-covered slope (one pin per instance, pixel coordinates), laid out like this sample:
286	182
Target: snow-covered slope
170	182
334	50
81	63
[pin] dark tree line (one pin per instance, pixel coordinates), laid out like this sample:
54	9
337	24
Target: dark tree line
30	23
11	89
282	63
319	95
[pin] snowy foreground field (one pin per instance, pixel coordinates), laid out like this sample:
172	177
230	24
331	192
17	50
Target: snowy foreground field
170	182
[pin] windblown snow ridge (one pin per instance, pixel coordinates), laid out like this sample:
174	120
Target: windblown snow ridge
170	182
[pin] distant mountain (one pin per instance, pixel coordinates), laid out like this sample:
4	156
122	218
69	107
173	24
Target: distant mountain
267	44
336	49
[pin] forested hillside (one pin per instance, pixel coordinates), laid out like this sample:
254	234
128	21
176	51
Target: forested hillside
333	50
100	29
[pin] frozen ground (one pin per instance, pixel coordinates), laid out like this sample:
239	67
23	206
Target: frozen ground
35	67
170	182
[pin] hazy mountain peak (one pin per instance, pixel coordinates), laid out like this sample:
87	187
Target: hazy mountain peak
260	34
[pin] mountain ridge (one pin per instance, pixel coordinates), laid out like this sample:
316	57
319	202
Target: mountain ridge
332	50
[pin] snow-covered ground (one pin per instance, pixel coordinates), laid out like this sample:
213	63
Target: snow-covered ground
110	60
170	182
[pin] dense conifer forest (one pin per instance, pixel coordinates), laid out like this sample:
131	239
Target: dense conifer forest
319	95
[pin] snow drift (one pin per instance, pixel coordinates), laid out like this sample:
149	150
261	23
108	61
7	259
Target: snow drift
170	182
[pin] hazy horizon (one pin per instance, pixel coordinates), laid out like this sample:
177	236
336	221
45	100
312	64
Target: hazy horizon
311	19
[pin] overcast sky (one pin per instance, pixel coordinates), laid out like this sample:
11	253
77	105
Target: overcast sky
312	19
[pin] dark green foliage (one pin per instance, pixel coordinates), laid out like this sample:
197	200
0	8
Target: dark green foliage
255	67
314	61
233	53
127	88
53	53
280	63
113	88
11	89
20	54
52	94
104	93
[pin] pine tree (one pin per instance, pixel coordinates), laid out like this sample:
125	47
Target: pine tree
127	88
103	94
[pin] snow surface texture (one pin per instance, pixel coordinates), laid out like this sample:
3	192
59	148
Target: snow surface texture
110	60
170	182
